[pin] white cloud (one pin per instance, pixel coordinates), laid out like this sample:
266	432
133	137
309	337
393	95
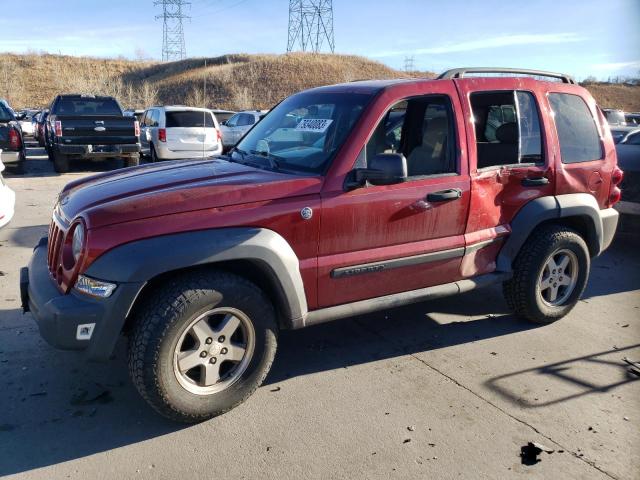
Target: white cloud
615	66
491	42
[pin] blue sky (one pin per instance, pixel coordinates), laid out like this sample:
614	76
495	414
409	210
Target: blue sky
587	37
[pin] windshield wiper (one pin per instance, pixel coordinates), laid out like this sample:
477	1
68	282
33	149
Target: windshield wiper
274	161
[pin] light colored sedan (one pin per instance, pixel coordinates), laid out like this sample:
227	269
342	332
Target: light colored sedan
177	132
236	127
7	200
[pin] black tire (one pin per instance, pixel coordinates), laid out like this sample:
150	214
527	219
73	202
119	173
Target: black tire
153	155
60	162
131	161
522	291
162	319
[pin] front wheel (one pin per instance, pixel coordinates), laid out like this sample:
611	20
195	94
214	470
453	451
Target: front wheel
201	345
549	275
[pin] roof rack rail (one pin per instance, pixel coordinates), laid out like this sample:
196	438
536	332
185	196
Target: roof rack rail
461	72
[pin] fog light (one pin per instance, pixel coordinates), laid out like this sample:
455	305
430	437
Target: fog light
94	288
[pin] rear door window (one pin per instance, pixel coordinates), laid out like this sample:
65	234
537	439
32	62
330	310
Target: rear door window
507	125
576	127
245	119
155	118
189	119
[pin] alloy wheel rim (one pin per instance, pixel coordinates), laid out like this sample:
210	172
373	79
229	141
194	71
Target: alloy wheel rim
214	350
558	278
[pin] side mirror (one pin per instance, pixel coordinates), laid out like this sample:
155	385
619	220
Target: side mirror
224	123
21	116
383	169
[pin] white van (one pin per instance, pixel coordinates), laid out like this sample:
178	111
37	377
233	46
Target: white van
178	132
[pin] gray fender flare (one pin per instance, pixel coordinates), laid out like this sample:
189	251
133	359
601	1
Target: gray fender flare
142	260
547	208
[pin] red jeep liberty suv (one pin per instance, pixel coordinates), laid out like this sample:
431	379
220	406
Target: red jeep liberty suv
343	200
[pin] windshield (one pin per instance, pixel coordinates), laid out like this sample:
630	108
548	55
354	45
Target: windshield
303	132
81	106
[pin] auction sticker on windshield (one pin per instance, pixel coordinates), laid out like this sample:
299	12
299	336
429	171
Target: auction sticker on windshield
316	125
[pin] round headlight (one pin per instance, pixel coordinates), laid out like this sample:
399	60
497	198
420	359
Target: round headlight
77	244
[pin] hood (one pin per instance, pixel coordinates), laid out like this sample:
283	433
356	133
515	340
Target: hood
175	187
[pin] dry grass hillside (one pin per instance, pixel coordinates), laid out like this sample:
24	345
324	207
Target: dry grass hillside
233	81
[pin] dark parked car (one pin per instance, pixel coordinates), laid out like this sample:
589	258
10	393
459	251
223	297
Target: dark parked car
632	119
11	141
628	151
90	127
202	262
39	132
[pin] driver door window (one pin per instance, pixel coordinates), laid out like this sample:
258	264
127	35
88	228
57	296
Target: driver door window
422	130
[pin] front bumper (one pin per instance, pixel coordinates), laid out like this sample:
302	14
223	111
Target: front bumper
63	320
9	157
100	151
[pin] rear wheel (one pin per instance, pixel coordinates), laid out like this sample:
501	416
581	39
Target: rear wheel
132	161
202	344
549	275
60	162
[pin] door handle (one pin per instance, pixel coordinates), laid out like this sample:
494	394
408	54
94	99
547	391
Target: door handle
535	182
444	195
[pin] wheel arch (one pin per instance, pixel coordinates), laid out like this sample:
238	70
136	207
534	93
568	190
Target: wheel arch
260	255
577	211
253	270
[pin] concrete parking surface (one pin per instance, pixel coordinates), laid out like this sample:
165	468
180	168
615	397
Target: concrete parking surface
447	389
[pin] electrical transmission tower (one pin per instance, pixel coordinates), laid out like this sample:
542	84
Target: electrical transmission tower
409	65
310	25
173	47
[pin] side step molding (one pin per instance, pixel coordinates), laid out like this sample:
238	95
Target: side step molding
361	307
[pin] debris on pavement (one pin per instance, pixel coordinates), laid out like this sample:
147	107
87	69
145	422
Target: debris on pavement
406	440
529	452
96	394
411	428
277	389
634	367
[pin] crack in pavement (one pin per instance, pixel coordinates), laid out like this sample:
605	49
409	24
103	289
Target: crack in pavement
591	463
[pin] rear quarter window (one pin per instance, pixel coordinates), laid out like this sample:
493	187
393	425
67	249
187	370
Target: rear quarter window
576	127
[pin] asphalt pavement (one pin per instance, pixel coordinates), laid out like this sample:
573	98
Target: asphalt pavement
446	389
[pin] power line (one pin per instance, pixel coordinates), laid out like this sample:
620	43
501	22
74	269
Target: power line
310	25
173	46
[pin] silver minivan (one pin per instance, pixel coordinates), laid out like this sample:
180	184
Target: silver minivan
178	132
